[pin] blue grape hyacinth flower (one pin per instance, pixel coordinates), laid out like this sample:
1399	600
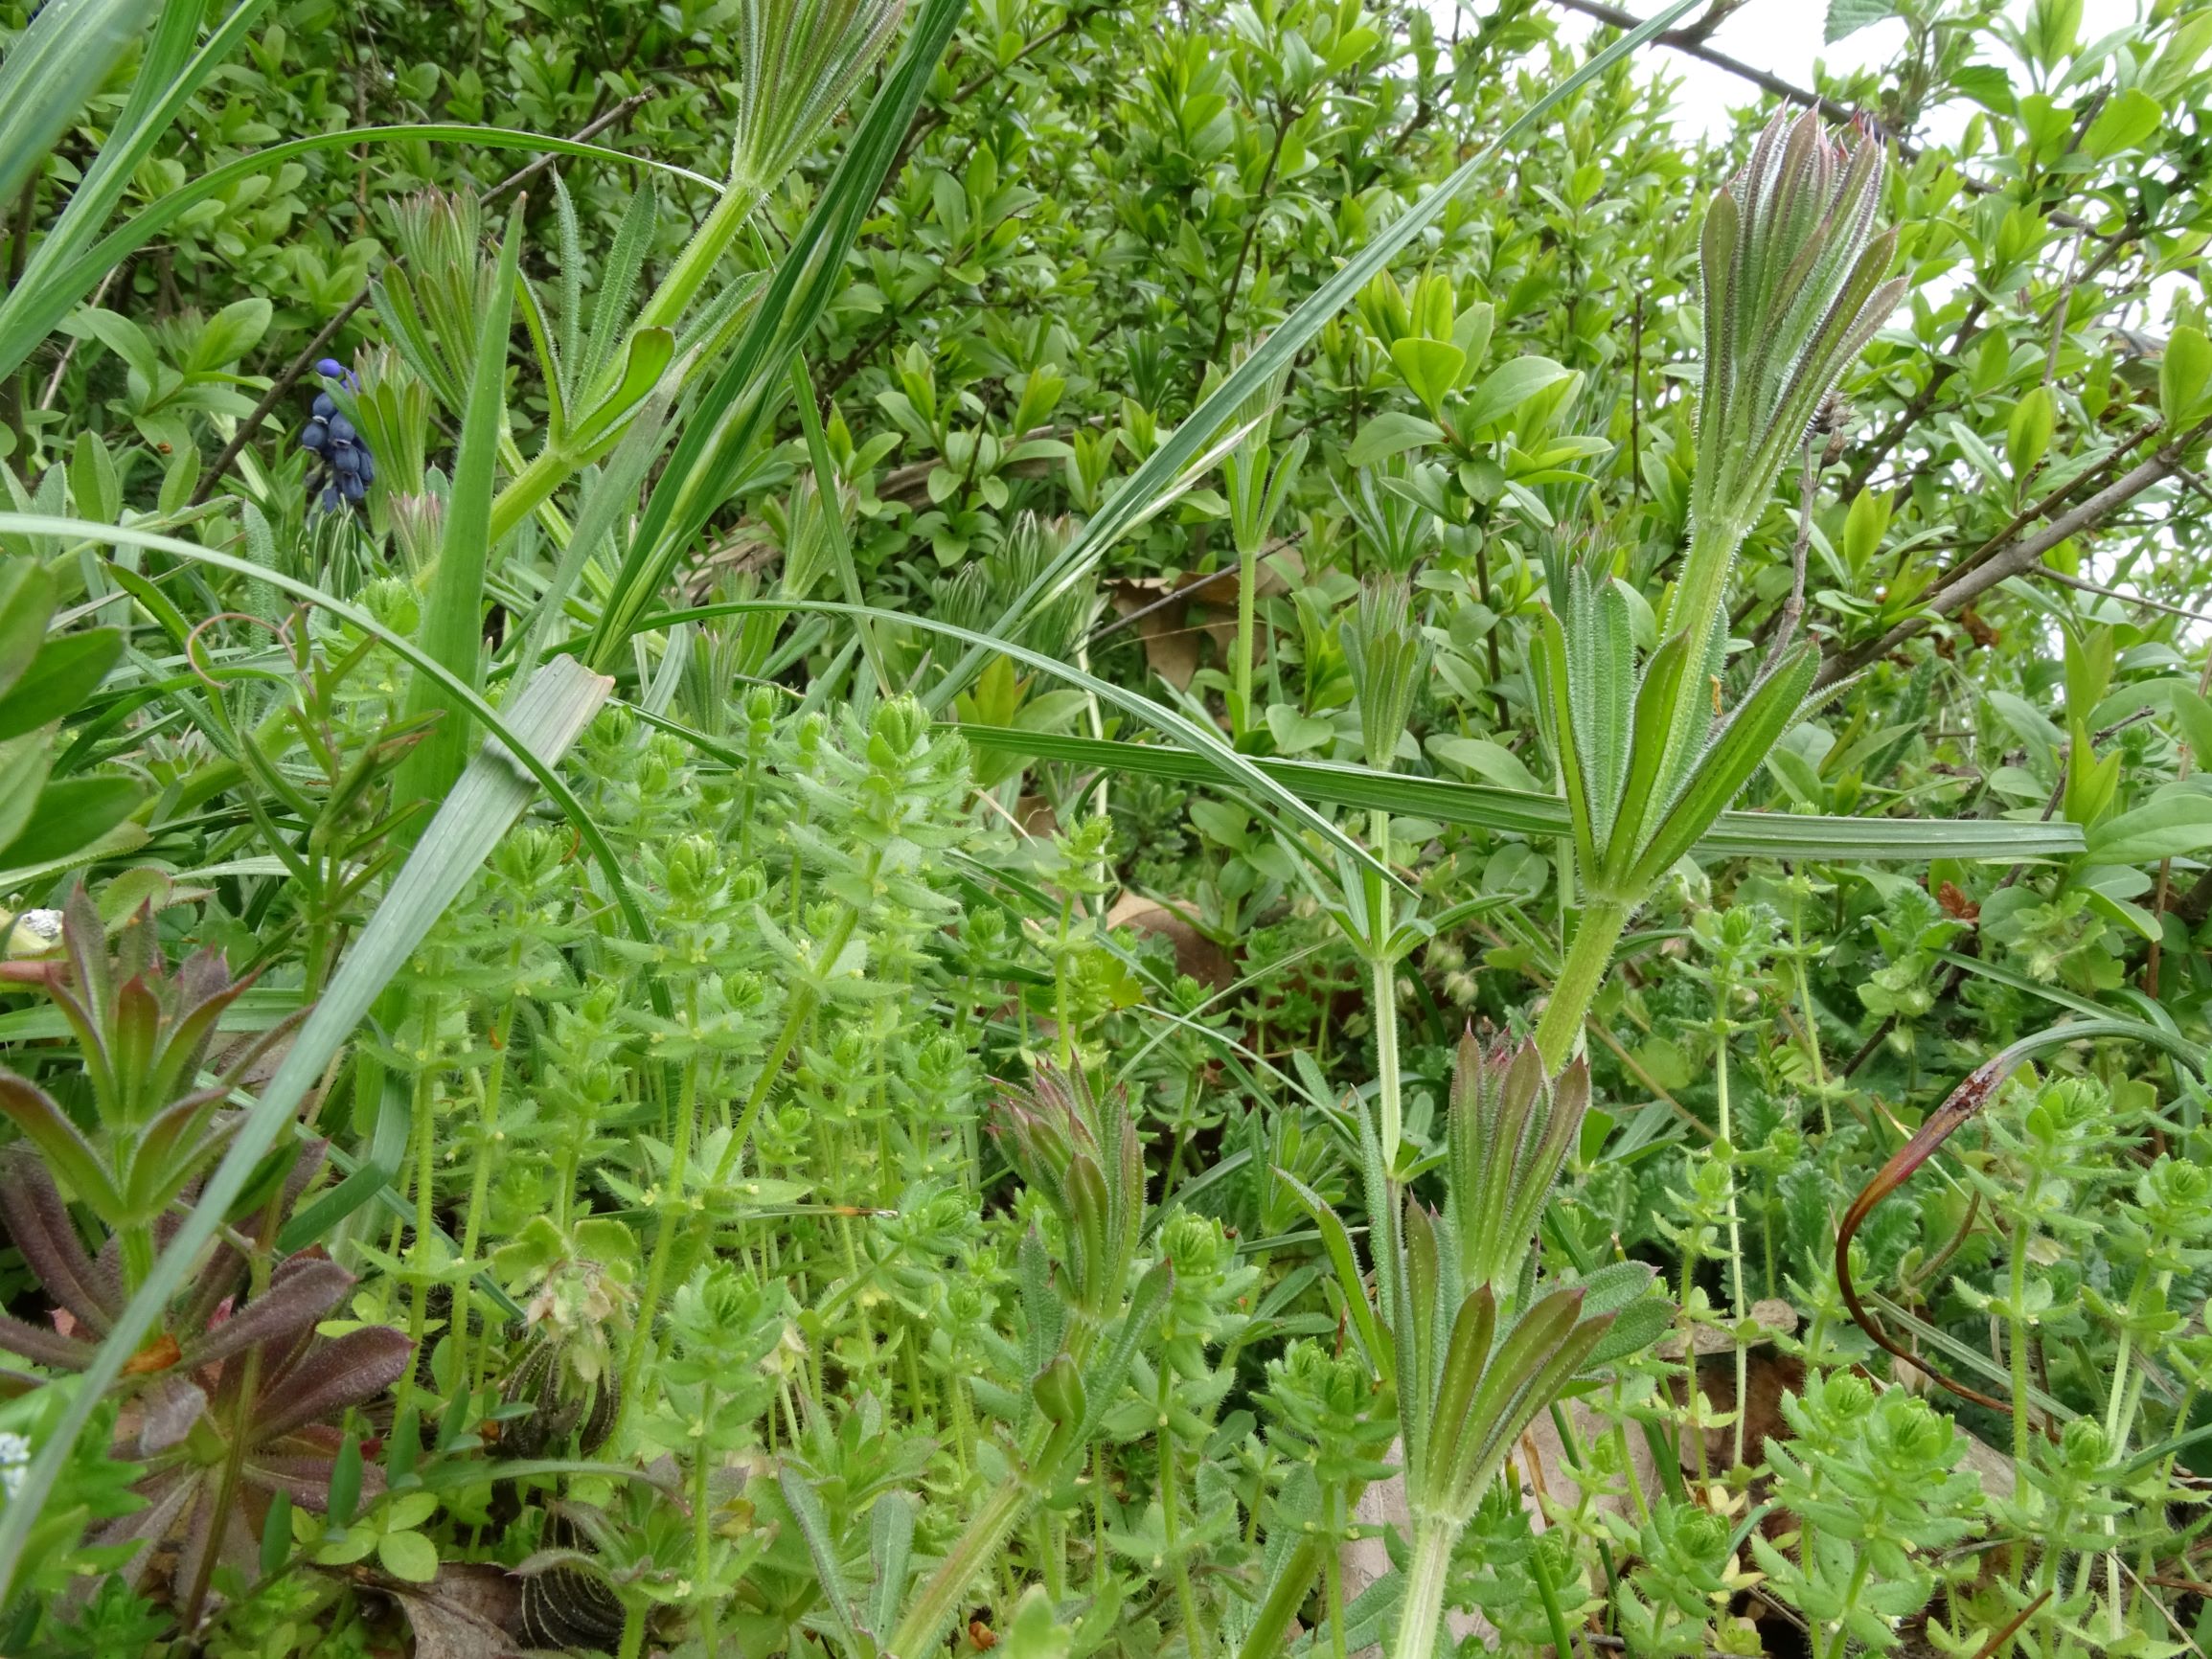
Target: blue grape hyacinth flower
345	469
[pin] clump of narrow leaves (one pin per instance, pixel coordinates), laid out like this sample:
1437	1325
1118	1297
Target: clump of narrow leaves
144	1032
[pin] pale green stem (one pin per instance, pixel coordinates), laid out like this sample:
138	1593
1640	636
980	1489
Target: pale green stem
532	486
1064	1011
1804	1006
2127	1382
1693	609
1268	1636
1385	997
1187	1601
640	1339
135	1244
2119	1423
1850	1600
702	1519
529	489
802	1009
1424	1585
479	1187
425	1167
1333	1571
2019	1346
1581	974
698	262
1735	1226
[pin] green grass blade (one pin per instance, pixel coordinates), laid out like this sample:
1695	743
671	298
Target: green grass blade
491	794
55	65
1516	811
722	425
452	627
831	506
1274	354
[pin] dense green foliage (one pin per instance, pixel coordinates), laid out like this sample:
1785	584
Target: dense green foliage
1100	828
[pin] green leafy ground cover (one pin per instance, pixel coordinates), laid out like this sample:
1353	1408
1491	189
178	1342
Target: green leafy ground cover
1101	829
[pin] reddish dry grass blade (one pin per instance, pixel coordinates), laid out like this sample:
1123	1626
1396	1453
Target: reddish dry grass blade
1962	1103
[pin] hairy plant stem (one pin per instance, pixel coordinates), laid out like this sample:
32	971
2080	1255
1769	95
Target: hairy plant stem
934	1605
1588	955
426	1132
802	1004
470	1374
134	1243
1548	1594
533	485
1333	1571
1433	1536
1271	1623
529	489
1193	1633
1811	1022
699	258
703	1518
1694	606
2128	1380
1858	1570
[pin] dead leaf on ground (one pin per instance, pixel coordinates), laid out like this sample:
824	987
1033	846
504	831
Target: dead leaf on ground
1171	633
1196	954
467	1612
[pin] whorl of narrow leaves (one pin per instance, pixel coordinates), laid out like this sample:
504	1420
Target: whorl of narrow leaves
434	297
1081	1154
802	58
1384	646
1794	288
1493	1384
1510	1132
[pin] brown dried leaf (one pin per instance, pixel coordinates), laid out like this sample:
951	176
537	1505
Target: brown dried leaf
1196	954
468	1611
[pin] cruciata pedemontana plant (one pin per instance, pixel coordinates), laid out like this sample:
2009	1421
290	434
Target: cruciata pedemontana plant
1793	289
